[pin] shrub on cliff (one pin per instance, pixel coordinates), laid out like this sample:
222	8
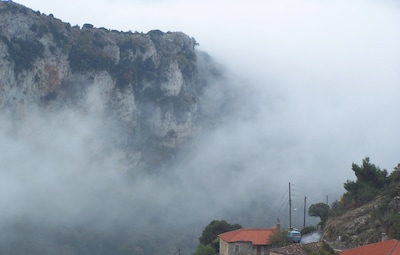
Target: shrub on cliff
23	52
86	54
370	180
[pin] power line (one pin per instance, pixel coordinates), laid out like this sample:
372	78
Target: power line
277	209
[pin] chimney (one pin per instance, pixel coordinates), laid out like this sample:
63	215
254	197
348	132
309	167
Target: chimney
278	224
384	237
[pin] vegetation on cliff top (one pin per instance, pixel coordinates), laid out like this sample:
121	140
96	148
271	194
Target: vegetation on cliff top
371	201
122	54
371	181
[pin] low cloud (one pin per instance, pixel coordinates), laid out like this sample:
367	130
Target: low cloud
310	87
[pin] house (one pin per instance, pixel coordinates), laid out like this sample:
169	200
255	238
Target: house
245	241
296	249
388	247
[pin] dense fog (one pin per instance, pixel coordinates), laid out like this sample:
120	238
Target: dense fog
309	87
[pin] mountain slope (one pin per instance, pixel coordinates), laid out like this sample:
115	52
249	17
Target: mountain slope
365	215
355	227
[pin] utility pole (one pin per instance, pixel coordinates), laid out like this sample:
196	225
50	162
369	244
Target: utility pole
290	207
304	220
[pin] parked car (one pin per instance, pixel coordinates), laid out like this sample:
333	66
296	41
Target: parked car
294	236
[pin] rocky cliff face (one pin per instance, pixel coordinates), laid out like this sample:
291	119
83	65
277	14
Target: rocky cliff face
355	227
369	223
147	83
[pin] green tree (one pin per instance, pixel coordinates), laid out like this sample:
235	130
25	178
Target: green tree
392	224
213	229
393	183
370	174
370	179
336	209
320	210
279	239
205	250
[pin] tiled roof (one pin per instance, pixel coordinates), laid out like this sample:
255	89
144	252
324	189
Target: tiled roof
297	249
255	236
389	247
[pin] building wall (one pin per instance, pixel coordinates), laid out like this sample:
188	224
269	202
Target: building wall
223	247
241	248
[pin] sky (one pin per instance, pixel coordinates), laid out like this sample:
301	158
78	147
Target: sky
317	84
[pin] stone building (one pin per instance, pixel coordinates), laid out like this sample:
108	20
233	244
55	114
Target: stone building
245	242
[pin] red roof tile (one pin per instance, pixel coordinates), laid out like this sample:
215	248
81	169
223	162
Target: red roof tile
255	236
389	247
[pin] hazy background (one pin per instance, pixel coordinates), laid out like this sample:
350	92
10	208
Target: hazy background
313	87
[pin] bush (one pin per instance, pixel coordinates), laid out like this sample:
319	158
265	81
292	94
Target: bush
209	236
325	249
279	239
392	225
87	26
23	52
392	187
186	64
40	30
134	71
370	180
320	210
85	56
336	209
205	250
56	29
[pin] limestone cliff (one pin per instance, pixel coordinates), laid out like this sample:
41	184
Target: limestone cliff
149	83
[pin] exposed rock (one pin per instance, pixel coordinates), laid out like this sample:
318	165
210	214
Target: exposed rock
174	80
149	82
355	227
394	205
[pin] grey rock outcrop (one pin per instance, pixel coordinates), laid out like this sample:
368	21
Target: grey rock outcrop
148	82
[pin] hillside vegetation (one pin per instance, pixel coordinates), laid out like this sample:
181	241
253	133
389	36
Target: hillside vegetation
368	211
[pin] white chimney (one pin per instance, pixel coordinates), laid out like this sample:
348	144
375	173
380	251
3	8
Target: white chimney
384	237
